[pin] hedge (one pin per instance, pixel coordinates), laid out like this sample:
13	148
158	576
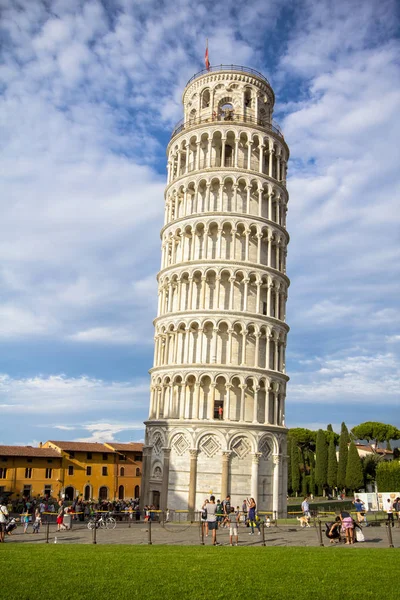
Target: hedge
388	476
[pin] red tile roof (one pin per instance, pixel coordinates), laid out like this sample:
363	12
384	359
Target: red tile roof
28	451
80	446
97	447
130	447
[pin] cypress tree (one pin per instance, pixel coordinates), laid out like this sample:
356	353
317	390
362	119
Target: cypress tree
321	460
354	470
304	485
343	452
294	460
312	481
332	465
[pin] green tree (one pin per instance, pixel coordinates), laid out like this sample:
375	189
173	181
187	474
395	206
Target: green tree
312	481
294	461
388	476
321	460
332	465
354	471
370	463
343	452
376	432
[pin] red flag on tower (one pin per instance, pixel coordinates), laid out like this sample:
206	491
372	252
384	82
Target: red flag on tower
206	60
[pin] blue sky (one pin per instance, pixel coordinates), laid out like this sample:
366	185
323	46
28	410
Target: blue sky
89	93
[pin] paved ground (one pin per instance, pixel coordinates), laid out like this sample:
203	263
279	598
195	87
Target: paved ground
183	534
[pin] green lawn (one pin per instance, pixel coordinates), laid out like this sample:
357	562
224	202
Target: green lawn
162	572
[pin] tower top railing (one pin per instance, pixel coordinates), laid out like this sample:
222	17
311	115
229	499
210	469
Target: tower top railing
232	117
228	68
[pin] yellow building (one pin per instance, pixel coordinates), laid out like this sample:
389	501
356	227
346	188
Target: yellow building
96	471
70	469
29	472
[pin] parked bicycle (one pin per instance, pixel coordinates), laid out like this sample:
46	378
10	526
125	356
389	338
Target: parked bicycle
104	521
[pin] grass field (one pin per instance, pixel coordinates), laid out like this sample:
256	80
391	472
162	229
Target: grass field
117	572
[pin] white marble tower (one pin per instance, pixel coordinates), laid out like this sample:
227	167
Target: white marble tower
218	384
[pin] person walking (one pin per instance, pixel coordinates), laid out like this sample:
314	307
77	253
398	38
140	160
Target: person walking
305	507
3	520
60	516
389	512
212	519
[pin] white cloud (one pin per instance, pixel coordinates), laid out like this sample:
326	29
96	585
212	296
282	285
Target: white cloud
357	379
90	94
48	396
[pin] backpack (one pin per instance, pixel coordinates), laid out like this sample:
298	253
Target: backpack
204	514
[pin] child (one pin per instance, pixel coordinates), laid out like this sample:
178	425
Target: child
25	519
233	527
38	521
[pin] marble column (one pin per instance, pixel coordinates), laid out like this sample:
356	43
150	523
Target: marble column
275	489
165	480
254	474
225	474
146	467
192	482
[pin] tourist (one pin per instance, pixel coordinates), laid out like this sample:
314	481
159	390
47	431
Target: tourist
360	511
333	530
60	516
212	519
252	516
226	505
389	512
305	507
25	520
3	519
348	526
37	522
220	512
204	524
233	527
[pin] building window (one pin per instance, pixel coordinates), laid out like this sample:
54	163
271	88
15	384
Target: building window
105	456
4	458
137	491
122	457
26	493
71	454
3	473
49	460
122	472
89	455
28	473
104	471
103	493
70	470
28	460
264	310
49	473
138	457
137	472
47	490
88	470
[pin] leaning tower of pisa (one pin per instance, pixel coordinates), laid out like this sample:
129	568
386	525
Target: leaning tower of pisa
217	408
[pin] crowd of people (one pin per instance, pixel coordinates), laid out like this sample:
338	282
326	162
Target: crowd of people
217	514
32	512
